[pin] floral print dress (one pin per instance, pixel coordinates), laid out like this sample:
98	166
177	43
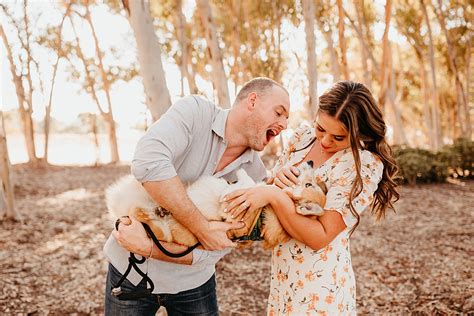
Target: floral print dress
309	282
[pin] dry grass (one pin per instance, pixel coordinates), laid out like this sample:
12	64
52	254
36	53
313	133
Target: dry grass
416	261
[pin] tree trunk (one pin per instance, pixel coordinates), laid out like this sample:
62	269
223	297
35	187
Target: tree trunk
183	40
192	72
236	69
469	71
399	130
335	67
109	117
7	199
463	108
25	113
342	41
253	39
277	44
364	42
385	56
311	68
437	141
158	98
367	79
47	116
112	136
426	103
94	130
179	21
218	74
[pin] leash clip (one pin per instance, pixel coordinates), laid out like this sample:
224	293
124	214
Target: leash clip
116	291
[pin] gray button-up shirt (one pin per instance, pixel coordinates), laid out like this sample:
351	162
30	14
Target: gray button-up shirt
187	141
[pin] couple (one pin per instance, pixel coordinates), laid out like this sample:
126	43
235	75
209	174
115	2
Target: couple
311	273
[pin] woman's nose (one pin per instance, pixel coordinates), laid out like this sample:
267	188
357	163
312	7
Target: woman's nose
326	140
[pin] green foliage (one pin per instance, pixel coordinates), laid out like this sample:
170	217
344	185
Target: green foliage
463	163
414	163
424	166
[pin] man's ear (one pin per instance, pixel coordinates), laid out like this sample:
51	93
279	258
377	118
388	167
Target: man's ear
251	99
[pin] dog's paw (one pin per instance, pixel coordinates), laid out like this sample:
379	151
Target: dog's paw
308	208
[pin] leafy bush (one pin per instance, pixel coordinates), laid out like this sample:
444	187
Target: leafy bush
424	166
463	162
415	164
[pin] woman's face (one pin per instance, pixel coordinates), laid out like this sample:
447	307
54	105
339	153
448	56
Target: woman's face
331	133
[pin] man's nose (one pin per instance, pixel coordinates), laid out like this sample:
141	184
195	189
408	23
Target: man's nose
284	123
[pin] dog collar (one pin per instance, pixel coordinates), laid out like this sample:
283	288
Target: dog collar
256	233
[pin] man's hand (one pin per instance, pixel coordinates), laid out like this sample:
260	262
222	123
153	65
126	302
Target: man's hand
171	195
132	236
214	235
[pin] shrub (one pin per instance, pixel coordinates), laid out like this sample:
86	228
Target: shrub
463	158
415	164
441	164
423	166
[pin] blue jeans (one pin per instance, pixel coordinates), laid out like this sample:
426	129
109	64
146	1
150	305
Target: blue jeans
199	301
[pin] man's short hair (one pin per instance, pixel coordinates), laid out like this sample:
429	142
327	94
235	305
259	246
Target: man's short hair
260	85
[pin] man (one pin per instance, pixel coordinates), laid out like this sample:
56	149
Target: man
193	138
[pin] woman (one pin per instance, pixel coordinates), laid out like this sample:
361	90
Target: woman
312	273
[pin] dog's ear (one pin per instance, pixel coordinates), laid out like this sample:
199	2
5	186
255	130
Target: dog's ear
310	163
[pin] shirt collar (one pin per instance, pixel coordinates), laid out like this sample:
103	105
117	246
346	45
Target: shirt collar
218	125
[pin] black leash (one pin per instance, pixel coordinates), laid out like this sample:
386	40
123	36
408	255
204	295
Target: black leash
132	263
117	290
163	250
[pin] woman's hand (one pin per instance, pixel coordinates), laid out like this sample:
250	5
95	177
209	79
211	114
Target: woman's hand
286	177
249	200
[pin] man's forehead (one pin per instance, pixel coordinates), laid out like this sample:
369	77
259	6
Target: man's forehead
283	97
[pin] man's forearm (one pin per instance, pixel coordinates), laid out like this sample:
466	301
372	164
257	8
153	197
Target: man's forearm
171	194
174	248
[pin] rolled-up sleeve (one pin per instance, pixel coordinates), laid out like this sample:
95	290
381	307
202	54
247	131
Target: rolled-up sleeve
166	139
343	177
212	257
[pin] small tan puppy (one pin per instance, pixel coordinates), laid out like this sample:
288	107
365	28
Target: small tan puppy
128	197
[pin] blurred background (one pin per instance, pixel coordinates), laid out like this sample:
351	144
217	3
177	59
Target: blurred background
73	93
81	81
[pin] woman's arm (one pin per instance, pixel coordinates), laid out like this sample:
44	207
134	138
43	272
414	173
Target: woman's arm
313	232
316	233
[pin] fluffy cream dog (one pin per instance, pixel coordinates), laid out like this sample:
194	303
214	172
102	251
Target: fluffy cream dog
128	197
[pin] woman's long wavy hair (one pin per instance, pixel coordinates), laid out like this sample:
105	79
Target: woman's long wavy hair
353	105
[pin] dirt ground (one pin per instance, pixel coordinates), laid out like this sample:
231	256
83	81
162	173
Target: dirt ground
415	262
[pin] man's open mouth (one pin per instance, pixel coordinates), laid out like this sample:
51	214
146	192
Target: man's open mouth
271	133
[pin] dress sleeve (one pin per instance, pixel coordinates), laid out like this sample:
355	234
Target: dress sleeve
342	177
